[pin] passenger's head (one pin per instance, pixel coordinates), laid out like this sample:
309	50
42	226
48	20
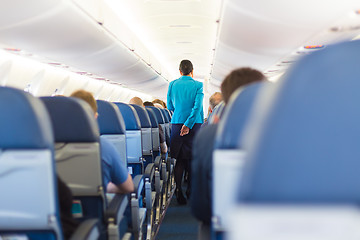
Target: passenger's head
158	101
158	105
137	101
238	78
186	67
87	97
214	100
146	104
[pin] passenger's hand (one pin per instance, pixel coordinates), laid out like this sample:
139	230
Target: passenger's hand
184	130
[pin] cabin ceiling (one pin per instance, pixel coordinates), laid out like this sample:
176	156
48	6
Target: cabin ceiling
139	43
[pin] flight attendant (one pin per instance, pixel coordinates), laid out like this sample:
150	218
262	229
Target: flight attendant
185	97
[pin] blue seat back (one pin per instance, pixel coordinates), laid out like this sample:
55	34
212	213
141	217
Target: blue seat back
235	117
166	124
27	169
112	127
305	134
77	147
159	117
146	136
228	157
133	136
158	114
167	112
154	131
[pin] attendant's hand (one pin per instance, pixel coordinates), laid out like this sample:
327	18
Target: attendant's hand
184	130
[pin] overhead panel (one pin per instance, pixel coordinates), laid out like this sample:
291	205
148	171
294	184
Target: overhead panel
262	34
64	32
174	30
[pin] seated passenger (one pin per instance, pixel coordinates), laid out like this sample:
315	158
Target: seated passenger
137	101
116	176
214	100
203	148
160	102
163	146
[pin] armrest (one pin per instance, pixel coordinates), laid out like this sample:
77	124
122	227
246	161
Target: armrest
149	171
116	209
138	184
87	230
157	162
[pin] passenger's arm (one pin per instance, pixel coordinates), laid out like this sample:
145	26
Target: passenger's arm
190	121
125	187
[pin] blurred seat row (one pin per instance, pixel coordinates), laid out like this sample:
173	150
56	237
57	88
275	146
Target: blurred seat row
41	138
286	154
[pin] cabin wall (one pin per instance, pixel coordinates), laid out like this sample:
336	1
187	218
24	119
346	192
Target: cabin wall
41	79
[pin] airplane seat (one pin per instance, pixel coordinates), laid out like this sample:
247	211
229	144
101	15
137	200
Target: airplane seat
161	120
167	125
167	112
164	161
301	176
217	113
133	138
146	135
29	209
112	127
154	132
78	161
228	158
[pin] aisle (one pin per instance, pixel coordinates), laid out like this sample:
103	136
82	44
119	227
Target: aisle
178	223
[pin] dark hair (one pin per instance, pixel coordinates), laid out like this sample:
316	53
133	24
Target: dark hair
185	67
238	78
147	103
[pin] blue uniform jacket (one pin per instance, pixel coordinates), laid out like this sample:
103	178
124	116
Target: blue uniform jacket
185	98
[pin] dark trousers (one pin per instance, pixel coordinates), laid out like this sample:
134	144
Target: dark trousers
181	150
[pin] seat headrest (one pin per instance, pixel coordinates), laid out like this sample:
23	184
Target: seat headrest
152	116
158	114
168	113
132	121
143	116
72	119
233	122
24	121
165	115
110	119
306	133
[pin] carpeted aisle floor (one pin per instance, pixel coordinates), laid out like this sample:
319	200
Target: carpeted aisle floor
178	223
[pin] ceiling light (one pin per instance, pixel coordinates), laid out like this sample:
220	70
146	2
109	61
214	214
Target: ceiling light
313	46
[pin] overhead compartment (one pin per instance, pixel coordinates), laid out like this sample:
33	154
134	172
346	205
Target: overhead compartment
263	34
62	32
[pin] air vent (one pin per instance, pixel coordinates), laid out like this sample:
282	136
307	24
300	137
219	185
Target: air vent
180	26
345	28
12	49
287	62
159	1
54	64
184	42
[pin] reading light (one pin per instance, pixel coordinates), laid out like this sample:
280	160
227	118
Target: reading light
314	46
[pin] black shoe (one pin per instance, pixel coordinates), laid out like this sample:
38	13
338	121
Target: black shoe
180	197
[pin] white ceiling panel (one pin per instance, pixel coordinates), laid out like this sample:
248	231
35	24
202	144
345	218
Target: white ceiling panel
261	34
